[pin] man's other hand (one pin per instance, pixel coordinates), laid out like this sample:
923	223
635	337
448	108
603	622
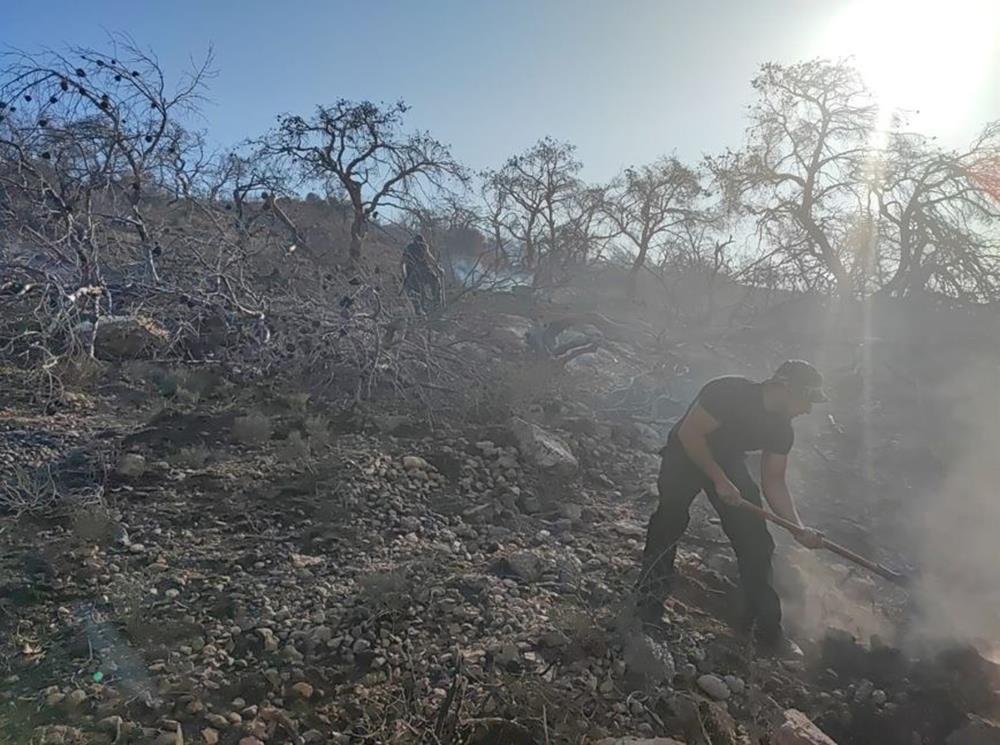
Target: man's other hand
810	538
728	492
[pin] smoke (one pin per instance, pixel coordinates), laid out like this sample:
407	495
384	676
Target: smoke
956	533
818	595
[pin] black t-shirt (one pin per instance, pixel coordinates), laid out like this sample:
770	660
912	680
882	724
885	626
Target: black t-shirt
737	403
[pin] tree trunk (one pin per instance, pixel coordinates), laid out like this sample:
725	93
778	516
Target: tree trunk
357	236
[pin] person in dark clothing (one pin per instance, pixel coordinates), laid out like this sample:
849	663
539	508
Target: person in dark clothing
706	451
422	275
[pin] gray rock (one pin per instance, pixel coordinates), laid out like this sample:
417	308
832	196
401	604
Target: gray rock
863	691
522	565
530	504
126	337
714	687
544	449
649	658
131	465
415	463
735	684
798	729
571	511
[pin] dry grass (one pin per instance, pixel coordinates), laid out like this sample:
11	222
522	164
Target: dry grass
253	429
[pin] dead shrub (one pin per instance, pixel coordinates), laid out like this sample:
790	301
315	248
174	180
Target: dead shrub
95	524
294	448
28	491
253	429
317	428
385	591
193	457
297	402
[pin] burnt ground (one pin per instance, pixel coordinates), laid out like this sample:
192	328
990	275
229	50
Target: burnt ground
189	557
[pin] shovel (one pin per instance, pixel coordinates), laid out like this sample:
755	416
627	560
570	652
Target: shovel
880	569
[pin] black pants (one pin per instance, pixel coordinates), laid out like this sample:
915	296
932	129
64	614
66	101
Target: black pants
679	483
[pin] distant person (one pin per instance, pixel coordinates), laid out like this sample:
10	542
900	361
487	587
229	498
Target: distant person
706	451
422	276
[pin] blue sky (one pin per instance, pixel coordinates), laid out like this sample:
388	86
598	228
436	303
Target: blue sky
625	81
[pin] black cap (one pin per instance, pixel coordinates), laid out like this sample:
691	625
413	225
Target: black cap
802	378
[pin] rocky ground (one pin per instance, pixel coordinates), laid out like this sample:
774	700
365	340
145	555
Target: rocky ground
221	562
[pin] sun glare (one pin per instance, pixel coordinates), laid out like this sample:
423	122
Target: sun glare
931	56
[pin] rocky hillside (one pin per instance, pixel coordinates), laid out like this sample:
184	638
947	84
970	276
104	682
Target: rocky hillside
191	554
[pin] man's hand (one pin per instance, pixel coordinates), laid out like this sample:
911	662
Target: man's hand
809	538
728	492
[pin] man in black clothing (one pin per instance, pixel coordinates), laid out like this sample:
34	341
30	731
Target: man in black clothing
422	275
706	451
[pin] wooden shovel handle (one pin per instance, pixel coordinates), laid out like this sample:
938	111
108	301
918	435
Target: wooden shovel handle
872	566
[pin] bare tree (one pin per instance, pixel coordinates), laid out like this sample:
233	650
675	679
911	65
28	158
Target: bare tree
800	176
588	232
363	147
83	137
528	198
939	218
649	203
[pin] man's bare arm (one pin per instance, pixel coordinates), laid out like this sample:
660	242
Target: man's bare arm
693	434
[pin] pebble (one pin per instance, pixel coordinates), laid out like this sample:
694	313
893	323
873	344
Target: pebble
112	725
863	691
735	684
415	463
217	720
76	698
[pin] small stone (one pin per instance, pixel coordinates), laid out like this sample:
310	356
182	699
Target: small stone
735	684
302	690
879	697
210	736
76	698
271	642
250	741
55	698
649	658
571	511
864	690
217	720
131	465
714	687
111	725
415	463
361	645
